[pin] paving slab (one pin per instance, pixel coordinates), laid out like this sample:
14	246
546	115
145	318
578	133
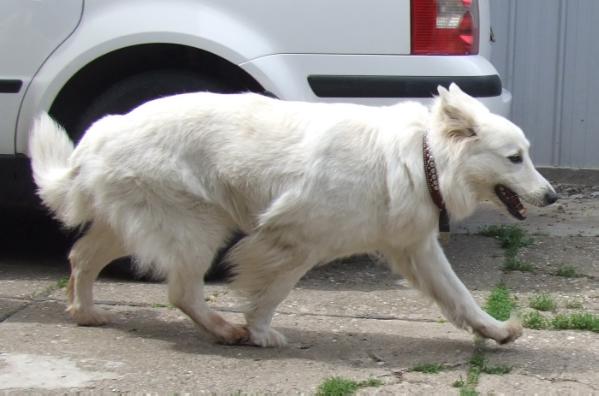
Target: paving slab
557	362
352	319
9	306
160	350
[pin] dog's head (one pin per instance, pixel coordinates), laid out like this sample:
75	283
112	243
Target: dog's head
487	153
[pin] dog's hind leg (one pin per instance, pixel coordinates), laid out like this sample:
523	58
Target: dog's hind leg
265	273
92	252
427	268
186	259
186	292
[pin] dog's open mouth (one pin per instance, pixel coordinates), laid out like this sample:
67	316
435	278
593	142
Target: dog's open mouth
511	201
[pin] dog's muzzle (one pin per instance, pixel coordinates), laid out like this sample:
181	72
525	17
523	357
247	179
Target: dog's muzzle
514	205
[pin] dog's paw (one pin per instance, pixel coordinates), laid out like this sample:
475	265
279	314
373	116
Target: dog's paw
513	330
270	338
501	332
89	317
235	335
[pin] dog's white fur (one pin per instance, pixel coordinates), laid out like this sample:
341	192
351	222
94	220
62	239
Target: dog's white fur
171	180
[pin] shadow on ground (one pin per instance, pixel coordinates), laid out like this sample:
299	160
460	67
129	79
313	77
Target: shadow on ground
308	340
32	235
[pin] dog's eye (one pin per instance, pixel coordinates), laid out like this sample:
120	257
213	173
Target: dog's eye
516	158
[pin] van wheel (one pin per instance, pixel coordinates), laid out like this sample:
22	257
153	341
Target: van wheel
127	94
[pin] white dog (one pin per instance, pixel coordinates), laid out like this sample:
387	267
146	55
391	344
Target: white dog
307	183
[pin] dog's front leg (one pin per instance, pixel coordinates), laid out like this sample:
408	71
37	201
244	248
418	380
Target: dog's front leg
427	268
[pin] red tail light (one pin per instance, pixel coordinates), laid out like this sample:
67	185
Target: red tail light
444	27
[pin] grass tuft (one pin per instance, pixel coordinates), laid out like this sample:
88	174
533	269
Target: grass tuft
576	321
458	383
468	391
567	271
511	263
428	368
574	304
478	365
338	386
62	282
161	305
534	320
500	303
512	237
479	361
497	370
542	302
371	383
473	375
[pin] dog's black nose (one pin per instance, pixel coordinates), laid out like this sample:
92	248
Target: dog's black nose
550	197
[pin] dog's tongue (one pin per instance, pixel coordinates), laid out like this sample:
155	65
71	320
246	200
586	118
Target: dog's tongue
511	201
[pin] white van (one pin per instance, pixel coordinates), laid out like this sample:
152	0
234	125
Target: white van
81	59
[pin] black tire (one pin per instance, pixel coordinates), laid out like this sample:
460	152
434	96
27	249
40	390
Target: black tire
127	94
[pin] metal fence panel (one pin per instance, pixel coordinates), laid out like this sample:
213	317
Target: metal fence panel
547	52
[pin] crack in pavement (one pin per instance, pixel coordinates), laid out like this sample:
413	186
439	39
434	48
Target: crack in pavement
28	301
555	379
36	299
14	311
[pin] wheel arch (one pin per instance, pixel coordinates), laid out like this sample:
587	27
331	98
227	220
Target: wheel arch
97	76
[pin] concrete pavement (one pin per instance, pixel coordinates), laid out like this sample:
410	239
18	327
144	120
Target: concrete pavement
354	320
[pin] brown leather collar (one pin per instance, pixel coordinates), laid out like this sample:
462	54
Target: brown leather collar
432	182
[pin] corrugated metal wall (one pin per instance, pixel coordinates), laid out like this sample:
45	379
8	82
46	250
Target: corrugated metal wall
547	52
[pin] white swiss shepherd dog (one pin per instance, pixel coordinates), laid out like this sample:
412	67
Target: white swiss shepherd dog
170	181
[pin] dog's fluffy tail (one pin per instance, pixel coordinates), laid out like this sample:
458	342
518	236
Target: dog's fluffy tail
50	149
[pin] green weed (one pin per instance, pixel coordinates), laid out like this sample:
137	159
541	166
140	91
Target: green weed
567	271
478	365
428	368
338	386
542	302
512	237
576	321
159	305
469	388
371	383
62	282
479	361
574	304
497	370
511	263
468	391
500	303
534	320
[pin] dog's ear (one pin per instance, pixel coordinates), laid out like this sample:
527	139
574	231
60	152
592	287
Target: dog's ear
455	89
453	113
